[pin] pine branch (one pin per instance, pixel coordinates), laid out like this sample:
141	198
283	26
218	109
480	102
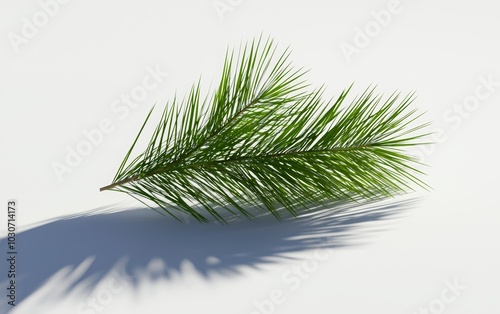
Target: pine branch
263	140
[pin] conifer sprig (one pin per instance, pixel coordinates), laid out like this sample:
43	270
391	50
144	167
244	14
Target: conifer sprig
263	140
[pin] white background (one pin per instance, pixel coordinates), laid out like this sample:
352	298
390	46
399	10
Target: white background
61	78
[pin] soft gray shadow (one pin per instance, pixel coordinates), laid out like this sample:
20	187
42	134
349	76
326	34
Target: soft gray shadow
138	236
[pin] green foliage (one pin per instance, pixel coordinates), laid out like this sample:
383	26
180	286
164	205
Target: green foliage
262	140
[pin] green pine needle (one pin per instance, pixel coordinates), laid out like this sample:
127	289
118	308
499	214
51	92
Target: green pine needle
262	140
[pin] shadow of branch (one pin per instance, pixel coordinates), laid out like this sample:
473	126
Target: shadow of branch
84	249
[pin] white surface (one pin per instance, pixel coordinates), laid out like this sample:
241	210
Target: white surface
65	79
